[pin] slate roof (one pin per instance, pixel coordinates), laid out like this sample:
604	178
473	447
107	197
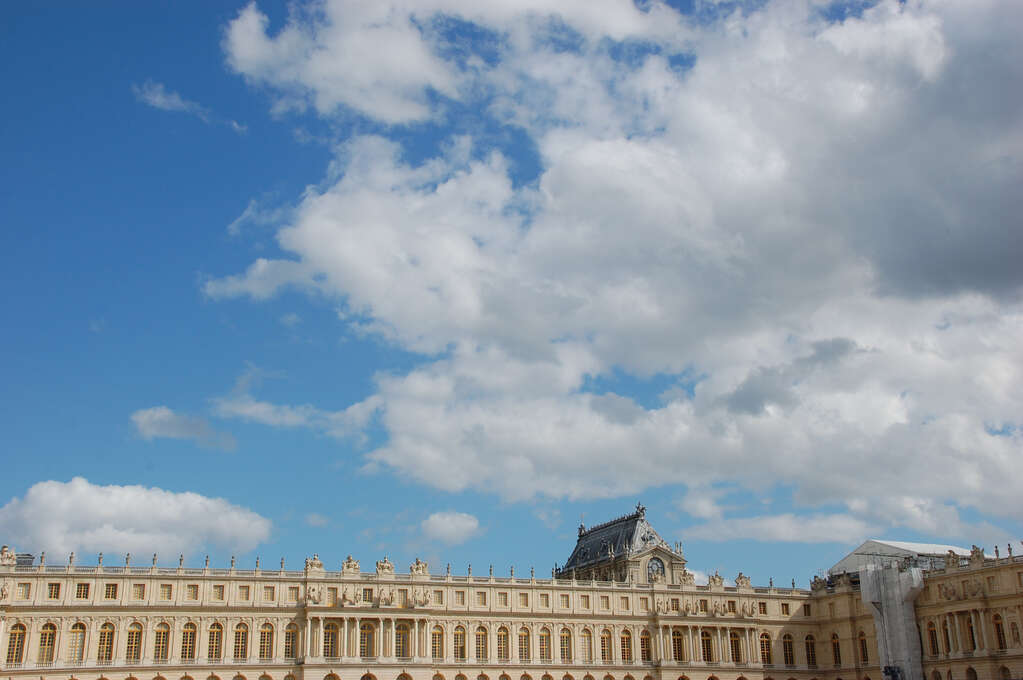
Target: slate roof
623	536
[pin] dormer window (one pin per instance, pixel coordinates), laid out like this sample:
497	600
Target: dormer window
655	570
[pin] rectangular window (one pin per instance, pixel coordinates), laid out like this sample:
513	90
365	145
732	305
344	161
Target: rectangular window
166	591
703	606
502	599
331	597
584	601
268	594
806	610
138	591
623	603
110	591
243	593
292	593
675	604
53	591
192	592
992	584
762	607
605	602
564	601
1019	578
731	606
367	595
82	591
644	604
481	598
460	597
523	599
545	601
438	596
218	593
403	597
784	608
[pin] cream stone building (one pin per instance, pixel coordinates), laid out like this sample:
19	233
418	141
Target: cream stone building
624	607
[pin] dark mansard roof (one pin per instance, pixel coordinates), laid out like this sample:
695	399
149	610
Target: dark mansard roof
620	537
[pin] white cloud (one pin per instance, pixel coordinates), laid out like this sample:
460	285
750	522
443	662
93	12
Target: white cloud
314	519
812	220
158	96
162	422
450	528
58	517
789	527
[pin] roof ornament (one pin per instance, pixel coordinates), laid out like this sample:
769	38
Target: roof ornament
640	510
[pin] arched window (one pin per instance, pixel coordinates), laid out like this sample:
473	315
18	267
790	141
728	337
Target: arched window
133	646
644	646
999	632
626	642
290	641
706	646
215	652
935	675
836	650
587	645
161	643
605	646
266	642
1003	673
482	653
76	643
946	637
402	636
241	642
545	645
566	644
524	653
787	652
16	645
677	645
811	651
735	647
932	638
503	644
765	649
331	638
367	645
459	643
105	643
437	643
188	634
47	642
970	635
864	656
970	673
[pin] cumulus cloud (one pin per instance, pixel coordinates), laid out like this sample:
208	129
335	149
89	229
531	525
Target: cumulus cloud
58	517
818	219
450	528
162	422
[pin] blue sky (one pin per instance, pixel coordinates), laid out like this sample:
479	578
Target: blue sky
430	279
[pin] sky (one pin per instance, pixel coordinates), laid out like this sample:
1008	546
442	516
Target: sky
445	279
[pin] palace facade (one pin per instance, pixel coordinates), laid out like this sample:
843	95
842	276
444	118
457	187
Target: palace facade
623	607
